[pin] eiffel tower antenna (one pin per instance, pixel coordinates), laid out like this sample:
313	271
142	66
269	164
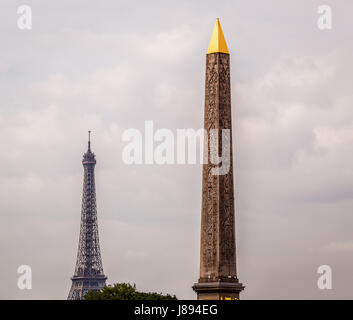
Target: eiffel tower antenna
89	140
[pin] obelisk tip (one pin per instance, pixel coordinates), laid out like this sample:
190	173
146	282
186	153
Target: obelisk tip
218	42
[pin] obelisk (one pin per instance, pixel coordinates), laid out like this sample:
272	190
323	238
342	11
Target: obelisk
218	272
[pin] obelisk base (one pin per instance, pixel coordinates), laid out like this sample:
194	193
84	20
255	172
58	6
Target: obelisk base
218	290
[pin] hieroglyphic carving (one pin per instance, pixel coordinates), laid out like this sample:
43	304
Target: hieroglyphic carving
218	261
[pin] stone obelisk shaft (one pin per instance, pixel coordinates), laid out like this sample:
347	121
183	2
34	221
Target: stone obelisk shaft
218	271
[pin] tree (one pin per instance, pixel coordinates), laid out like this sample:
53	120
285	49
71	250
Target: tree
125	291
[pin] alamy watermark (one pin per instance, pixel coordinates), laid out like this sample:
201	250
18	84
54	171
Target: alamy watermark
164	147
24	281
325	19
325	280
24	21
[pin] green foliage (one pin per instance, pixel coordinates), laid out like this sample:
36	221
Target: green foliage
125	291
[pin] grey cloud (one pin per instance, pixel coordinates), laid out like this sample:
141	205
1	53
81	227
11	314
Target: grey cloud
107	68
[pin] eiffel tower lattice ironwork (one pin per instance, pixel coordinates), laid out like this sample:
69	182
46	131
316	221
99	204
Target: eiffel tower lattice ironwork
89	270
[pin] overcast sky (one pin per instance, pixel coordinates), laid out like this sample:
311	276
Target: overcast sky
108	66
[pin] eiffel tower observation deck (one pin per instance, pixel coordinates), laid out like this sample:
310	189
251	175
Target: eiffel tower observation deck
89	273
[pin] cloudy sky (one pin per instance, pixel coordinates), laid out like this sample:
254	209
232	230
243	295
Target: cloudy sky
109	66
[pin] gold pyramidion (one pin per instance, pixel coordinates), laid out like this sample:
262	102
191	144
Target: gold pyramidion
218	42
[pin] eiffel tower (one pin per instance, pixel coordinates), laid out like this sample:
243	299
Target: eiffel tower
89	270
